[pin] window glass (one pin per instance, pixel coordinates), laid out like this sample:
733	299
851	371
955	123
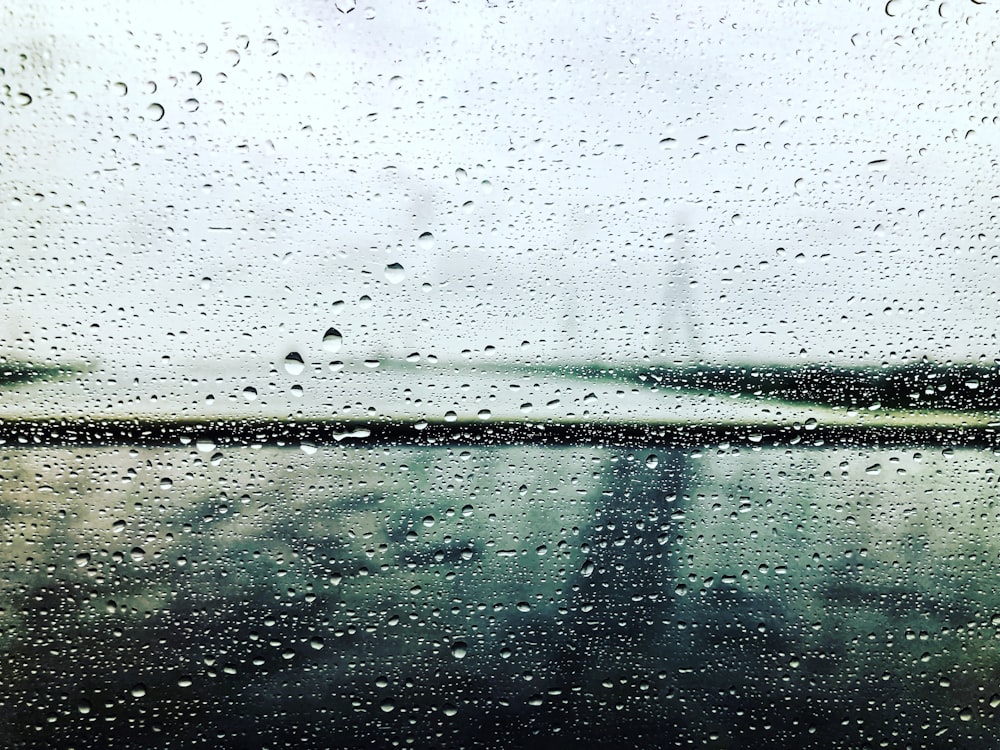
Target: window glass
498	374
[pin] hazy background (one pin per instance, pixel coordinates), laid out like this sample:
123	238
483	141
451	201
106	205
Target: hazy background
765	182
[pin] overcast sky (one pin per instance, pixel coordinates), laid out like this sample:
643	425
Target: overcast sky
765	182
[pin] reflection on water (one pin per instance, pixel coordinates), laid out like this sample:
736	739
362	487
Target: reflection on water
498	597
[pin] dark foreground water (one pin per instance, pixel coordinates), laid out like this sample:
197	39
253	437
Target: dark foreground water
499	597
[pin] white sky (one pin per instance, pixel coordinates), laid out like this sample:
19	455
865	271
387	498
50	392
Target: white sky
527	140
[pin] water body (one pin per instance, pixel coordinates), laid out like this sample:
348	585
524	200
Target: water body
348	596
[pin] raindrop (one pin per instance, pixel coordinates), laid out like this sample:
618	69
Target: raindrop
652	461
395	273
118	526
191	105
138	690
155	112
270	47
24	99
120	88
345	6
387	705
449	709
137	553
332	340
294	364
250	393
459	649
426	241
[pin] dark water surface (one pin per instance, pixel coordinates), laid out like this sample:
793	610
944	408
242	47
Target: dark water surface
499	597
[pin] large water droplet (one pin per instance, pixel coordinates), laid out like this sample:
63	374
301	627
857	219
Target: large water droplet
332	340
294	364
425	241
395	273
155	112
459	649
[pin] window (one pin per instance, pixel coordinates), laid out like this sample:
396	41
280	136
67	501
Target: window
498	375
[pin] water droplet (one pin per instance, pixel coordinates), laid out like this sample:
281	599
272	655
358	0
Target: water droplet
294	364
652	461
588	569
250	393
332	340
118	526
120	88
155	112
459	649
668	143
270	46
523	607
484	414
395	273
426	241
316	642
387	705
449	709
233	57
191	105
23	99
345	6
83	559
874	469
137	553
138	690
83	706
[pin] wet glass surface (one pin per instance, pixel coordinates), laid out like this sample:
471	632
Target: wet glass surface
479	597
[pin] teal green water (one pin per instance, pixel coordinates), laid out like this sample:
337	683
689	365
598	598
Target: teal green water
486	597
